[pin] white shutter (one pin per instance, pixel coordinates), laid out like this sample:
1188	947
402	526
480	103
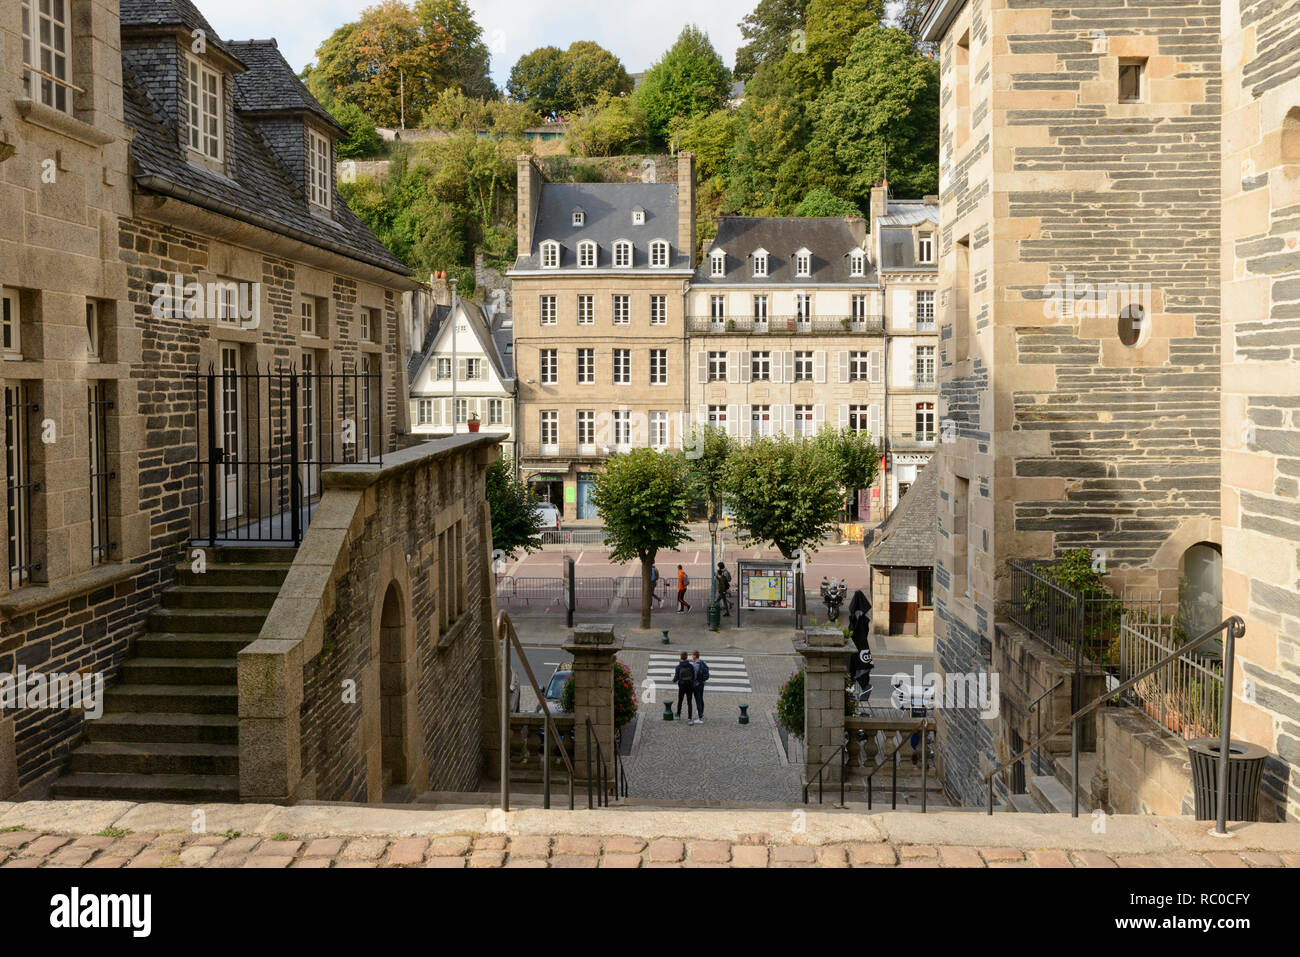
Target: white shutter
788	362
733	366
733	414
777	423
702	367
745	412
507	412
702	415
819	417
787	418
746	366
844	365
911	309
460	370
875	366
819	366
873	423
435	413
843	417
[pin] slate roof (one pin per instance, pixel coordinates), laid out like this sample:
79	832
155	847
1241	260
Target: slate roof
485	330
897	250
829	238
262	193
270	85
155	14
416	359
908	536
609	218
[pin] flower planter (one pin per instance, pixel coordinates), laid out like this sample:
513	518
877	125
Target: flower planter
474	425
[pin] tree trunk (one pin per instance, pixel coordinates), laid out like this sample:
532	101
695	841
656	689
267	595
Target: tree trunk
645	591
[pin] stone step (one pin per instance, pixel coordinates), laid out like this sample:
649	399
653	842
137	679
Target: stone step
145	788
1053	796
160	699
207	621
180	671
1024	804
1087	768
165	727
226	576
210	595
154	757
168	644
248	554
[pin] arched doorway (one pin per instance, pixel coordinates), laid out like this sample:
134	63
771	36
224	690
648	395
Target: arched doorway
1200	588
393	732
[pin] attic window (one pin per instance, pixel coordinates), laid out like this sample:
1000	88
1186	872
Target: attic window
587	254
760	263
550	255
718	263
658	253
204	119
857	263
803	263
318	169
579	218
622	253
925	248
638	217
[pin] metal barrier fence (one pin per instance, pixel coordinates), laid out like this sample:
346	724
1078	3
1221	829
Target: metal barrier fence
1186	695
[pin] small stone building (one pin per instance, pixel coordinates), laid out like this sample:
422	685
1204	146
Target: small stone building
900	558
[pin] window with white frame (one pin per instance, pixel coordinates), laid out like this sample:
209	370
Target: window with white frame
319	168
622	427
462	411
760	309
11	323
587	254
803	263
857	263
760	420
858	304
473	369
496	411
803	306
659	253
718	416
760	365
925	248
97	313
622	366
550	254
586	310
546	310
760	263
586	427
859	418
717	366
586	366
658	366
925	310
803	420
925	421
622	310
369	325
925	366
548	366
859	366
658	430
803	366
717	263
717	308
638	216
549	432
424	415
307	317
658	310
622	253
442	368
204	89
579	217
47	38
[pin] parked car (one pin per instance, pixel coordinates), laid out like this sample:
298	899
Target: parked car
550	516
555	689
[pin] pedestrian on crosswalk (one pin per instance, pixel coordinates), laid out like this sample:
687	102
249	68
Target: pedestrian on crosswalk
684	676
701	676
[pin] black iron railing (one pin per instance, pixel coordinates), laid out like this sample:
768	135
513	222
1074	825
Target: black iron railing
98	404
785	325
552	740
20	411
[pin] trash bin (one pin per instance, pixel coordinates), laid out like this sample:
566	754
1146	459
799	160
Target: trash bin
1245	772
714	615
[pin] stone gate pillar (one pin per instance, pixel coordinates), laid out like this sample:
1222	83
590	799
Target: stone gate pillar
826	653
593	649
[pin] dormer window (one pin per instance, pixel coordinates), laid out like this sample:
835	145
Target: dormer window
760	263
622	253
717	263
925	248
658	253
857	263
638	216
319	169
587	254
803	263
550	254
579	217
47	38
204	119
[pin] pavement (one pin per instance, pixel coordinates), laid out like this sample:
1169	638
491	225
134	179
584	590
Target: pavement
114	834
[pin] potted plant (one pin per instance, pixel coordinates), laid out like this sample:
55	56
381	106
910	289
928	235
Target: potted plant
845	321
473	422
731	325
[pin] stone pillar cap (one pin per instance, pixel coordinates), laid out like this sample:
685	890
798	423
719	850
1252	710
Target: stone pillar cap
593	634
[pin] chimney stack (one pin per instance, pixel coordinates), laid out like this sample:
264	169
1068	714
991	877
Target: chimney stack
686	204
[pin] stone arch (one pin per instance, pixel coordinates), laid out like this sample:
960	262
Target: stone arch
1200	587
394	733
1291	136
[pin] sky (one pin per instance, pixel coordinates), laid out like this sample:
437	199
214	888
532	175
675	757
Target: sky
638	33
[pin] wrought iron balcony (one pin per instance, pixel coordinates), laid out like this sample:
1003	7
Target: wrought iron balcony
785	325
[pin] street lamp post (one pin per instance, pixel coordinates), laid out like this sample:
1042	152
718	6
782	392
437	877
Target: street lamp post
712	616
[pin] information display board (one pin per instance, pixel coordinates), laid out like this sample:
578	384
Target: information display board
766	585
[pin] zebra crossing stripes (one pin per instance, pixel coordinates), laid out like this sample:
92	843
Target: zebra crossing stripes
727	674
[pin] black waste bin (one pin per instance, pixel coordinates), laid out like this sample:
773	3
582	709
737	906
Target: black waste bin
1245	772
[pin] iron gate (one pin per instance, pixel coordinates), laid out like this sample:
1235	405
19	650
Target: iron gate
263	437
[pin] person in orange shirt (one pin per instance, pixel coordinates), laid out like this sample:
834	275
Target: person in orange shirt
682	581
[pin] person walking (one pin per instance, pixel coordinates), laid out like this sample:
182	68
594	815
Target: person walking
723	579
701	675
684	676
683	580
654	587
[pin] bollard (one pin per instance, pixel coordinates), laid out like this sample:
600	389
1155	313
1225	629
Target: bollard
744	714
668	711
665	638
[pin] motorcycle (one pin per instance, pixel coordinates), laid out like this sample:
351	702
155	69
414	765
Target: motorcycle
833	593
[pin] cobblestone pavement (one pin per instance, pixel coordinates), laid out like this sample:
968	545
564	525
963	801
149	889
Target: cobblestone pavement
24	848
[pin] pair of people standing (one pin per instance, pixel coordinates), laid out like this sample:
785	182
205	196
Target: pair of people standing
690	677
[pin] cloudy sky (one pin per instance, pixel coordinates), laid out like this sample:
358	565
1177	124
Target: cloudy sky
637	32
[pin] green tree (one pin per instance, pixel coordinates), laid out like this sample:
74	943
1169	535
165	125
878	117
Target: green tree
593	72
767	171
362	139
822	202
769	32
784	491
689	79
612	126
709	136
537	78
852	455
831	28
707	454
552	80
642	498
516	523
909	18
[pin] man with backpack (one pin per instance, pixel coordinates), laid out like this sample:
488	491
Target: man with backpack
684	676
654	587
701	676
723	580
683	580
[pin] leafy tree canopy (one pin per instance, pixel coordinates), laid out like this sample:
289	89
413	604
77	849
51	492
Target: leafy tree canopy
362	139
822	202
783	490
612	126
688	80
516	523
769	32
552	80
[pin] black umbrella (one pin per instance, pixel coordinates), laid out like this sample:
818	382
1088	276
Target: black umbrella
860	665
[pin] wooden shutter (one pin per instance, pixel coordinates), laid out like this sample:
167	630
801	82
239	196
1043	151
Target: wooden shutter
733	366
777	418
733	416
507	412
843	417
787	361
873	423
746	411
702	415
819	366
819	417
787	419
461	370
746	366
702	367
875	365
844	364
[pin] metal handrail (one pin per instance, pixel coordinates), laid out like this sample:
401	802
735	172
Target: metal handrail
924	728
505	633
1233	628
1033	705
602	781
843	754
620	771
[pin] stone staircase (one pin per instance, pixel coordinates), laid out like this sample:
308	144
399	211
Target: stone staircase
170	728
1050	794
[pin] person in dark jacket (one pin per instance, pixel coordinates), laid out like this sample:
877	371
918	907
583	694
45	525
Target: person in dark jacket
701	676
684	676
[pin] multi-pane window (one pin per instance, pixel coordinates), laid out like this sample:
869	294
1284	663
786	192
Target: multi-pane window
859	366
803	306
100	474
365	329
443	369
857	263
473	368
622	366
717	308
496	411
718	416
925	365
925	421
859	416
658	253
717	366
546	310
46	39
307	317
859	306
548	366
586	427
803	366
760	308
803	263
622	310
658	310
803	420
424	412
925	248
319	168
18	409
658	429
622	427
586	310
717	263
204	109
462	411
586	366
761	365
10	322
658	366
622	253
227	302
587	254
760	264
579	217
550	255
925	310
550	427
760	420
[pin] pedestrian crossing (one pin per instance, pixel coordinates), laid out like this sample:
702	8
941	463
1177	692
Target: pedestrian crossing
727	674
